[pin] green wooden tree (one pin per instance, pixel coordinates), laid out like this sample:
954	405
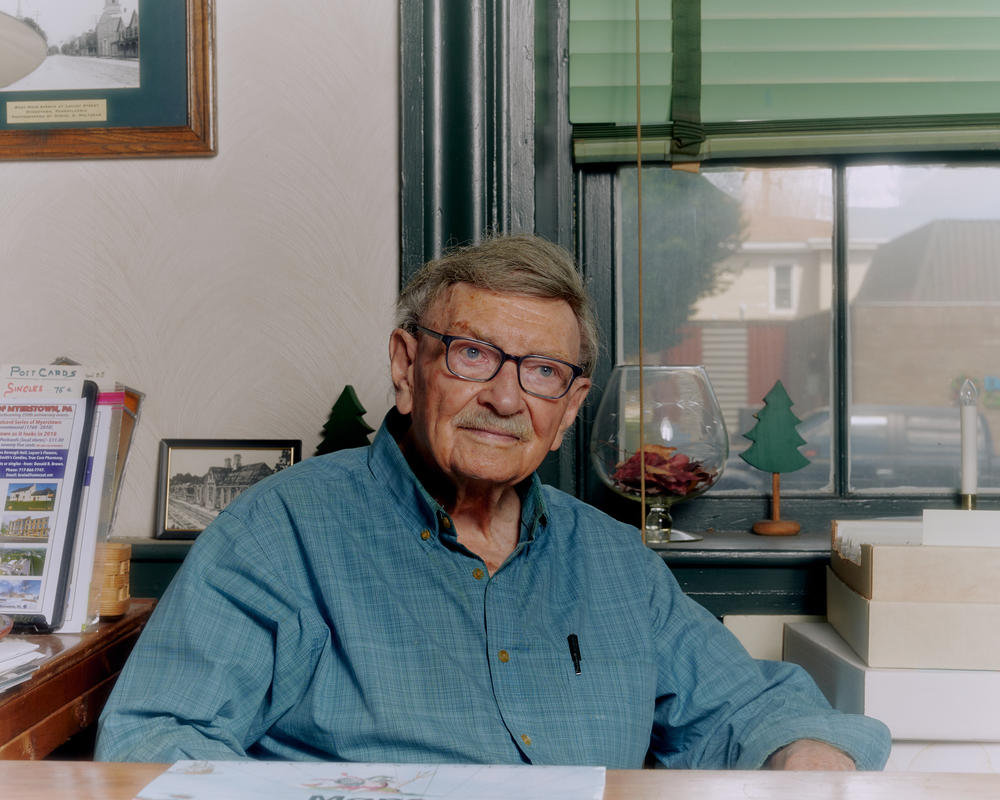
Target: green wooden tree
345	427
775	440
775	450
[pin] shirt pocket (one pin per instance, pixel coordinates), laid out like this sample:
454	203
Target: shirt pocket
604	714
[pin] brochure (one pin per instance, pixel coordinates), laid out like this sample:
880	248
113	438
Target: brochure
274	780
43	447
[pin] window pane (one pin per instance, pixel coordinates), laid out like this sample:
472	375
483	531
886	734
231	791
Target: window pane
924	315
781	292
714	244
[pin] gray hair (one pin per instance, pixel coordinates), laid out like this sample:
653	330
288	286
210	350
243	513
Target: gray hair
523	264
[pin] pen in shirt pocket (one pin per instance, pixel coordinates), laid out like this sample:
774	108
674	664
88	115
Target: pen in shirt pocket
574	651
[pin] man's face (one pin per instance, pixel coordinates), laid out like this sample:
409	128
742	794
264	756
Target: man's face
493	432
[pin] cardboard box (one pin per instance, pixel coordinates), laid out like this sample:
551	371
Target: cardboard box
762	634
949	527
929	705
914	573
915	635
884	560
944	757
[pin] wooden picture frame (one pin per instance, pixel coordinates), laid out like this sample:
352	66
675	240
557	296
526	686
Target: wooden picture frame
200	477
170	113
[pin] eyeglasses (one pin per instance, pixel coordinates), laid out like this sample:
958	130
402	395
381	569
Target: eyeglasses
473	360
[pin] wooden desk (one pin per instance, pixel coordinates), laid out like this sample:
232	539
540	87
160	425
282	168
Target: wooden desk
83	780
68	691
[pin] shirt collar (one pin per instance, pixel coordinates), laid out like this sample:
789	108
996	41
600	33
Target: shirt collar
389	467
534	513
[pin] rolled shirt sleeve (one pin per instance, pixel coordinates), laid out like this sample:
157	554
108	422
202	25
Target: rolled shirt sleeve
200	682
718	706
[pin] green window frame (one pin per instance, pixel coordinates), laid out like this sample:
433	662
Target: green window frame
731	511
486	144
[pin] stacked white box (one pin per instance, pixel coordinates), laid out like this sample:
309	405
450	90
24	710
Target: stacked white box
940	720
916	704
886	560
902	603
915	635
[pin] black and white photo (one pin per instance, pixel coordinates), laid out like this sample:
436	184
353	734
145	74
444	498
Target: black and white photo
89	44
200	477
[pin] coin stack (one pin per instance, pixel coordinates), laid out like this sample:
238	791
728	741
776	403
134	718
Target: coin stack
114	588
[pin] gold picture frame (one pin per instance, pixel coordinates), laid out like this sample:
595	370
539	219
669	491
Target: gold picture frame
117	137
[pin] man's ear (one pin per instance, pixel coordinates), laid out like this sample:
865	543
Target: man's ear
402	357
577	394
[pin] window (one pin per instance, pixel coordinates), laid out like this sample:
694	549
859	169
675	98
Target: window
892	87
923	291
782	292
872	337
789	253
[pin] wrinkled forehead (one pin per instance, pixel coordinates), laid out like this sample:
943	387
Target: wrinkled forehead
543	322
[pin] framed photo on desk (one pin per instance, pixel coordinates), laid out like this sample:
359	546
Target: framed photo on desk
121	78
200	477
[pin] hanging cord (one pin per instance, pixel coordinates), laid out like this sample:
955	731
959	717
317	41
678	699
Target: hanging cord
638	184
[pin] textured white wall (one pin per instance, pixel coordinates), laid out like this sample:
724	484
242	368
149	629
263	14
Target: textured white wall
241	292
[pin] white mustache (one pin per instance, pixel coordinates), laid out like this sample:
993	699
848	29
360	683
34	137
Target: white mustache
481	419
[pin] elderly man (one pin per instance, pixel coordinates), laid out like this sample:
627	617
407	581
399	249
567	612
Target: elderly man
426	599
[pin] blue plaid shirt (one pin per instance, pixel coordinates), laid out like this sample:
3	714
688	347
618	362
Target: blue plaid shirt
330	613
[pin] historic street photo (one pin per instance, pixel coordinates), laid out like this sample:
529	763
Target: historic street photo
89	44
199	478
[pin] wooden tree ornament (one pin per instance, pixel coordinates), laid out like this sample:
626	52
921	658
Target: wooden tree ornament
345	426
775	450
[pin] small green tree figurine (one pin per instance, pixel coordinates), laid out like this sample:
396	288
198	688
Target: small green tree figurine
775	450
345	426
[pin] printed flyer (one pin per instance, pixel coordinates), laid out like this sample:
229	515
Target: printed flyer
41	475
331	780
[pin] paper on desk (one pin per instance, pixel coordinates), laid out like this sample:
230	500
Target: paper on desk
274	780
11	649
13	677
17	661
17	658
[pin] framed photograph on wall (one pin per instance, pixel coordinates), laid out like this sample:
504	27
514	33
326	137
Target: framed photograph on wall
107	78
200	477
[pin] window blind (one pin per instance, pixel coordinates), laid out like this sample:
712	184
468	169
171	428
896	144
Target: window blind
784	77
602	68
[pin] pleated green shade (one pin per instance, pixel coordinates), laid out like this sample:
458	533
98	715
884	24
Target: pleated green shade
769	66
602	70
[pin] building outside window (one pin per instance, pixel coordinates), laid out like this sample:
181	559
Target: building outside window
781	288
916	283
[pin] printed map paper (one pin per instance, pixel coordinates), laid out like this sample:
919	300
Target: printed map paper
326	780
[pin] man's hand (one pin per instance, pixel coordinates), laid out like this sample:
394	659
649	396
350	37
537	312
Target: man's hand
810	754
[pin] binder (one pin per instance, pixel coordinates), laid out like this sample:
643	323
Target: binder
84	586
111	437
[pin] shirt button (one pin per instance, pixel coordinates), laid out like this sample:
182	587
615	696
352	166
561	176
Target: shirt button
477	573
504	656
445	522
425	535
526	739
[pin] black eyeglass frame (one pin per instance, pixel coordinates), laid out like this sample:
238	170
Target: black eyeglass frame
447	339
